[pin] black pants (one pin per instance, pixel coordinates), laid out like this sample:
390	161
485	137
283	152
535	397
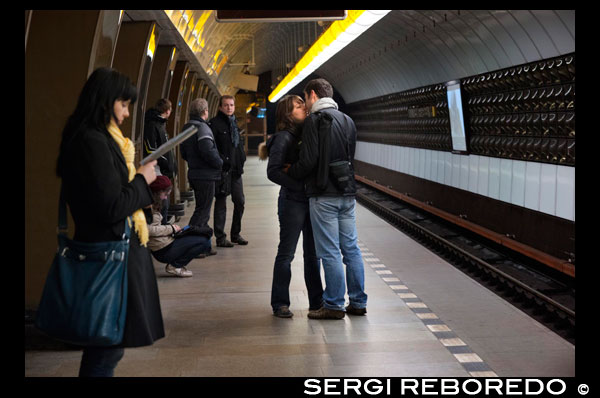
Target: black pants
237	197
294	217
204	192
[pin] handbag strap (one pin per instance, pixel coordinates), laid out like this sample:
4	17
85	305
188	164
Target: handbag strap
62	217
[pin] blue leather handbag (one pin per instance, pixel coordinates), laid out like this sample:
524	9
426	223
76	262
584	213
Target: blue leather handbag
84	301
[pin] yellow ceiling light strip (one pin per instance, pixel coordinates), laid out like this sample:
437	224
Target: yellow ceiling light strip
338	36
152	42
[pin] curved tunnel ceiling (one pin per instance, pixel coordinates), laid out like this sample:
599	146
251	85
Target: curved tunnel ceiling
404	50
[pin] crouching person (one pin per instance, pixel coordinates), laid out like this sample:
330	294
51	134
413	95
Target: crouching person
175	252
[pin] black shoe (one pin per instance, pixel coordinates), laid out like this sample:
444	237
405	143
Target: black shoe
326	313
224	243
239	240
212	252
355	311
283	312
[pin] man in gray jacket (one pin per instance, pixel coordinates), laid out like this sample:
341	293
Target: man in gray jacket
204	162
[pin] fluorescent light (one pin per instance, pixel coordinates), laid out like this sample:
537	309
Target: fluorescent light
338	36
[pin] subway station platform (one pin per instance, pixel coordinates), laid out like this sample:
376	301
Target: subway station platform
425	318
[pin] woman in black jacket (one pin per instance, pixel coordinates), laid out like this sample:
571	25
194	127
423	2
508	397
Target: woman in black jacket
294	217
102	188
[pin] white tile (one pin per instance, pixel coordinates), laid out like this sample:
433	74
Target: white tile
532	185
448	168
372	259
462	358
505	179
399	287
427	174
439	328
420	163
565	192
411	161
494	179
441	162
393	279
397	158
483	176
518	183
483	374
452	342
473	173
548	189
416	305
427	315
455	170
377	265
464	172
434	166
384	272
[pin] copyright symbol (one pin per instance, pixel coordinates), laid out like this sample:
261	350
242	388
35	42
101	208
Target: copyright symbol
583	389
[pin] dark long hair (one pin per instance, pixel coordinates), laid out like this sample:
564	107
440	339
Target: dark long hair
283	114
95	106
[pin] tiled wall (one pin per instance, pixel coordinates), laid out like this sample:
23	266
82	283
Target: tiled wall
543	187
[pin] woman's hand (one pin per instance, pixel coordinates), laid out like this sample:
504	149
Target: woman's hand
148	172
176	227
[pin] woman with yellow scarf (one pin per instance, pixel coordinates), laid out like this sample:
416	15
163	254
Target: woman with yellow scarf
103	190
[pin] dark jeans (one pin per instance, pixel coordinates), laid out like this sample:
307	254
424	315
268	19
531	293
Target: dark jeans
183	250
294	217
100	361
237	197
204	192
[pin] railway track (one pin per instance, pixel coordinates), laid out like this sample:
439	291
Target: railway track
541	292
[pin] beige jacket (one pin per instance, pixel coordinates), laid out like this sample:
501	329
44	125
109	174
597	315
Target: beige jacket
160	235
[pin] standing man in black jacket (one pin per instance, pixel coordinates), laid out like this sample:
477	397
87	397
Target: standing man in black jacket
155	134
230	145
204	162
329	136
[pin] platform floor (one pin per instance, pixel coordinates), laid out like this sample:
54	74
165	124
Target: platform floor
425	318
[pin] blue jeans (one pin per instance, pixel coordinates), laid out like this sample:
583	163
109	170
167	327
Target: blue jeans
183	250
294	218
334	229
100	361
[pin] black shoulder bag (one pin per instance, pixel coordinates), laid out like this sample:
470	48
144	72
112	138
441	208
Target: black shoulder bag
342	172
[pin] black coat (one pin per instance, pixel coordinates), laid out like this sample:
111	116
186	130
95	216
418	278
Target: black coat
95	181
315	158
200	152
284	147
233	158
155	134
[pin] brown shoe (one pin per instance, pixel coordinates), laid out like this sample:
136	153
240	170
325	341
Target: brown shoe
326	313
355	311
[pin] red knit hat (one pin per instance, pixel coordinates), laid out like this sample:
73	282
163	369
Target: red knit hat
161	183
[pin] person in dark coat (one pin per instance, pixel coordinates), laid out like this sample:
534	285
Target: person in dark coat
230	146
292	208
102	189
155	134
204	163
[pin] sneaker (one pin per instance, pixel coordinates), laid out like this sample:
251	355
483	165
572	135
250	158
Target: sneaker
181	272
224	243
283	312
326	313
355	311
239	240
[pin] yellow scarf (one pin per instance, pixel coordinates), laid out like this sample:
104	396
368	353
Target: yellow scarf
128	151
